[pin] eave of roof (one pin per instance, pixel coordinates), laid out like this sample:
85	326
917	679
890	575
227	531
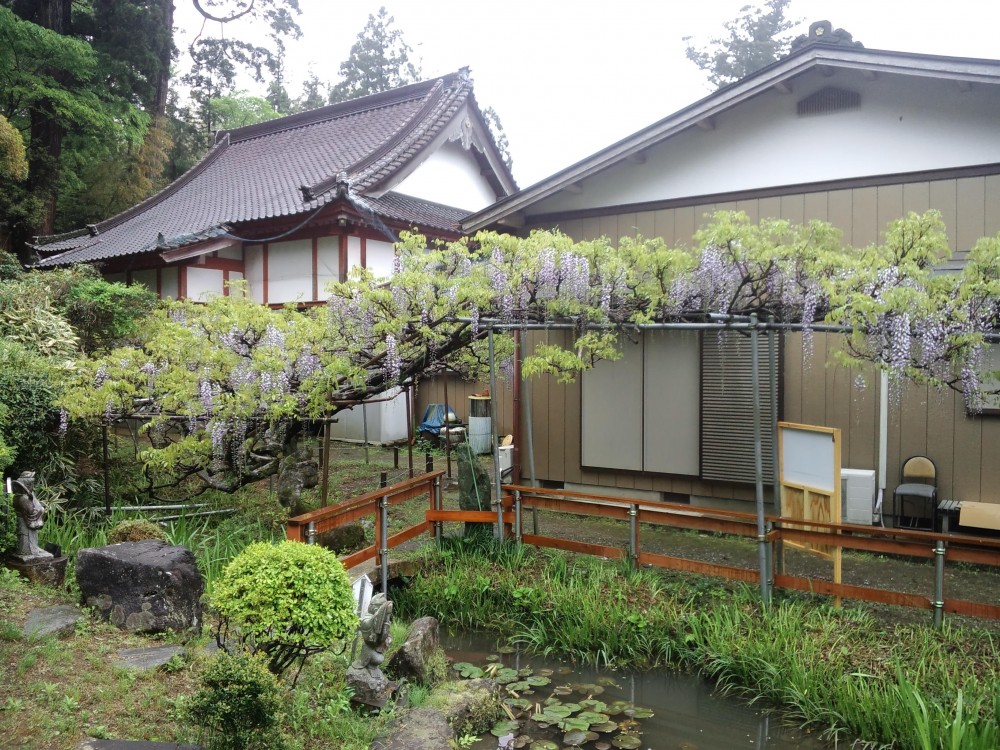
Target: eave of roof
970	70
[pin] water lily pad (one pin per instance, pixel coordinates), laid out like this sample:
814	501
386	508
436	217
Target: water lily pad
572	707
505	676
637	712
469	671
538	681
606	726
559	710
525	672
570	723
521	703
505	727
492	657
592	717
574	737
543	745
562	690
626	742
519	687
520	741
592	705
506	650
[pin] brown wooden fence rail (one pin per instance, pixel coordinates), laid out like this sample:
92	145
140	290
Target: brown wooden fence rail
939	546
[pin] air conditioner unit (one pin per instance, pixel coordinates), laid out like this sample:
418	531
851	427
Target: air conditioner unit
857	496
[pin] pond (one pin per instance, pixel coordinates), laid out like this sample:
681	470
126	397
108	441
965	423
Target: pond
656	710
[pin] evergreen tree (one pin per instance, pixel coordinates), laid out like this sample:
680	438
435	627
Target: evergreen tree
379	61
753	40
314	94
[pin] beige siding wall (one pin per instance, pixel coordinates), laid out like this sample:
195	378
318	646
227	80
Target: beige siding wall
815	390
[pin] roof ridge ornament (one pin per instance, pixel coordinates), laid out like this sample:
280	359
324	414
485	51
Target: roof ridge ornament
822	32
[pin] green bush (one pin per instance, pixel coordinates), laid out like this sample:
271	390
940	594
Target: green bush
286	600
136	530
239	704
105	314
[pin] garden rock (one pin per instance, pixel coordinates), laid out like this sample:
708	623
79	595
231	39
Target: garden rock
470	706
90	744
419	729
143	659
59	621
415	659
297	472
348	538
142	587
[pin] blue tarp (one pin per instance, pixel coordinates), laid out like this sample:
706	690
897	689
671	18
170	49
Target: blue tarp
434	419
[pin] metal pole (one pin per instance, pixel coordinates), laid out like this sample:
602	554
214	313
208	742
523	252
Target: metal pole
529	437
311	532
762	545
495	435
384	506
938	602
517	516
447	423
409	433
364	422
437	506
772	355
633	533
326	463
107	471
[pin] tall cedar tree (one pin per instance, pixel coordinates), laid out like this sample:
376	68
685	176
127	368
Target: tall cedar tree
379	61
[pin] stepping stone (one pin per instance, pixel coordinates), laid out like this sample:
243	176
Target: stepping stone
59	621
146	658
132	745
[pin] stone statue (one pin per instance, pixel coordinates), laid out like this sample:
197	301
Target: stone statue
374	629
30	514
364	677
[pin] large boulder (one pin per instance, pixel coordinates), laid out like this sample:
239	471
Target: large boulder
143	587
419	729
420	658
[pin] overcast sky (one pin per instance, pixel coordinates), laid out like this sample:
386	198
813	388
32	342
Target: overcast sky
569	77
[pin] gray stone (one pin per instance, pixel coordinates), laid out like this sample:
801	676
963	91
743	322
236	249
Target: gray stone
343	539
59	621
415	658
470	706
419	729
50	571
474	488
296	472
143	659
143	587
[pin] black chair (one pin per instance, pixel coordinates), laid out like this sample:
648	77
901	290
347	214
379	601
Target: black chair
918	486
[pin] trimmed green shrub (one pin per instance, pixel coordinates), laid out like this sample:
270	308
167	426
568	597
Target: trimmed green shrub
136	530
239	704
286	600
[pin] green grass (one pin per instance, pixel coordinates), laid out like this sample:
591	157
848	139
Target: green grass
837	670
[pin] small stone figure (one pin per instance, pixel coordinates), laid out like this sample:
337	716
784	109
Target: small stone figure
30	514
374	629
364	677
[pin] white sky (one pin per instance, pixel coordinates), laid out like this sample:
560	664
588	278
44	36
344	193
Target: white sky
569	77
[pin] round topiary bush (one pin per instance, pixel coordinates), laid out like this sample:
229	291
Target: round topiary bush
136	530
239	703
285	600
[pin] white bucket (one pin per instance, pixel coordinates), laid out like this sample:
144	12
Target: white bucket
506	462
480	434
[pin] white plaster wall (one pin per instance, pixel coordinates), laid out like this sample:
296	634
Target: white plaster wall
451	176
353	252
904	124
328	262
378	258
253	264
233	253
289	271
203	283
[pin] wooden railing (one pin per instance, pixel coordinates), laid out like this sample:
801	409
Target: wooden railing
516	499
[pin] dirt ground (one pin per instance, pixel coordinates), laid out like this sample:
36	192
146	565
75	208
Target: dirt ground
904	574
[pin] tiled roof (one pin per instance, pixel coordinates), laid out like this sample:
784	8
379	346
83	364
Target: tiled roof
285	167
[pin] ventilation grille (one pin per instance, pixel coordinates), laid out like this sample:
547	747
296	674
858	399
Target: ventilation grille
727	408
827	100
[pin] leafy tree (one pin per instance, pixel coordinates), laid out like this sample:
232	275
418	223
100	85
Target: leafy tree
13	162
228	385
756	38
379	61
240	109
315	94
499	135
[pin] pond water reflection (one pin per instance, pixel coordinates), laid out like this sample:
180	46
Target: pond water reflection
687	715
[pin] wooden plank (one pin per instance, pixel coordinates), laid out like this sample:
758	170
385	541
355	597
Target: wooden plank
916	197
865	229
941	438
867	544
972	609
991	200
967	455
751	207
840	213
793	208
471	516
608	227
770	208
696	566
815	206
407	534
358	557
694	521
813	380
889	207
864	593
975	556
645	224
792	380
342	519
663	226
406	495
582	509
943	195
569	546
970	222
684	226
627	226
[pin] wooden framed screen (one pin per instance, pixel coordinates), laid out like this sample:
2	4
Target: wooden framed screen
809	481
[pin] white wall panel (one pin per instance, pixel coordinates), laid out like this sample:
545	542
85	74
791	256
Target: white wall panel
328	263
672	389
450	176
203	283
378	258
168	283
254	265
289	271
